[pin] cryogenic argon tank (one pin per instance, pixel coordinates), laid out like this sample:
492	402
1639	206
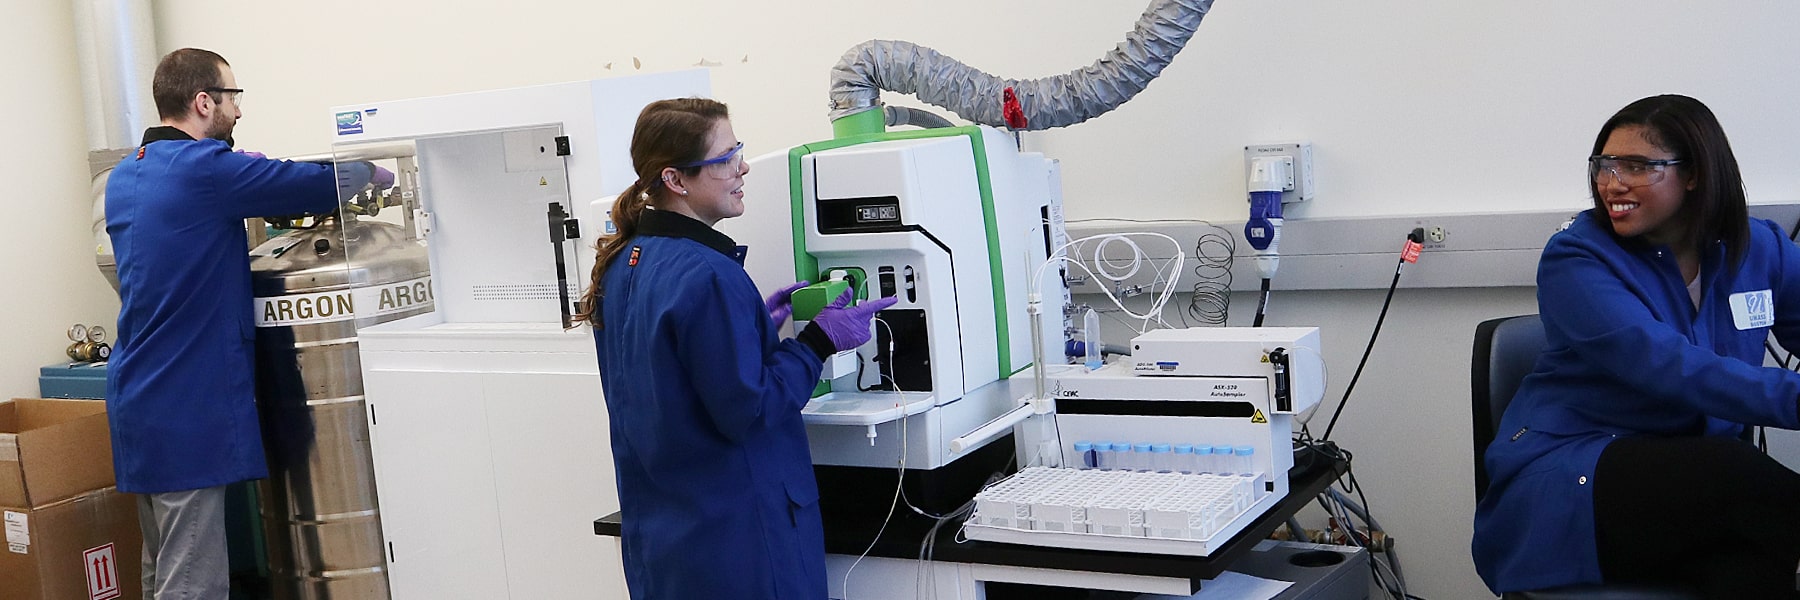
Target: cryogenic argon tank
319	510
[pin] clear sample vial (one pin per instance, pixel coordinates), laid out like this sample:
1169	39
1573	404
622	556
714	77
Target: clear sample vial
1090	335
1141	453
1245	463
1222	461
1160	458
1202	458
1104	457
1183	458
1084	455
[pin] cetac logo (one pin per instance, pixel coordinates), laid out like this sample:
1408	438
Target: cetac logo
349	122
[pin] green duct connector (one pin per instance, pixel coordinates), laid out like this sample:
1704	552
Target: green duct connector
866	122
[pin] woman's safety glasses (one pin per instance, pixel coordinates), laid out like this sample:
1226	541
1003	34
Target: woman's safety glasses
1631	171
725	166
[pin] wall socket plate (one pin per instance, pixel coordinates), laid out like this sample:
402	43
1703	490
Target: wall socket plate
1301	189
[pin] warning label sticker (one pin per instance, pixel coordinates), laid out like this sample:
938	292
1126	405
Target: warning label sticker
1258	417
102	573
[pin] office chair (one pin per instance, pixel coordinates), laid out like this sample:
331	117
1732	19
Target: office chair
1505	350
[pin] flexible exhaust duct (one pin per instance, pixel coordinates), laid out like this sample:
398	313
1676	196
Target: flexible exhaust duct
1059	101
116	45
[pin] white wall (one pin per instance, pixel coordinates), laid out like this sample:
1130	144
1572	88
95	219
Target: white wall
1414	107
47	254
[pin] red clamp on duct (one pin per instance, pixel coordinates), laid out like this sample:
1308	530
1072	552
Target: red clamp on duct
1011	111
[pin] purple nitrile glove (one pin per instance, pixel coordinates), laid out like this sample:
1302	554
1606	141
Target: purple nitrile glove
849	327
781	303
252	154
381	178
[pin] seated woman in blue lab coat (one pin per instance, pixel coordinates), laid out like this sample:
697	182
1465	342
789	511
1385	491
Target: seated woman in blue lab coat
1623	457
716	487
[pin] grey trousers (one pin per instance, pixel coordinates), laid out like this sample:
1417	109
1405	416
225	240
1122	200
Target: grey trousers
185	557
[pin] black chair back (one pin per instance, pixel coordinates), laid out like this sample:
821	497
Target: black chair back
1505	351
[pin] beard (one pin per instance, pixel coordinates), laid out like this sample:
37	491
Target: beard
221	128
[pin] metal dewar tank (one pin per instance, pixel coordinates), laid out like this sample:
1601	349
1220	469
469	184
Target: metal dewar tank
319	509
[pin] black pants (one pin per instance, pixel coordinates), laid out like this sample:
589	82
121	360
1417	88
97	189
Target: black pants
1713	513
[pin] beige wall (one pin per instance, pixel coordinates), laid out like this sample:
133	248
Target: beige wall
47	254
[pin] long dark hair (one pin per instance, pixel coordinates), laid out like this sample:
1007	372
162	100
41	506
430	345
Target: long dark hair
668	132
1715	208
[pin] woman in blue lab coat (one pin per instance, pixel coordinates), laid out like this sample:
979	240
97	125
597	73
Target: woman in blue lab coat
716	486
1623	457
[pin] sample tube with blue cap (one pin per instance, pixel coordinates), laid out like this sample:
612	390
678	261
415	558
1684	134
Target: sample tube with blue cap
1104	458
1202	458
1141	453
1222	461
1122	458
1245	464
1084	455
1160	458
1183	458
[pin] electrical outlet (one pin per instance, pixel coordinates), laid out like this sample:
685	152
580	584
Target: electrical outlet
1300	187
1435	235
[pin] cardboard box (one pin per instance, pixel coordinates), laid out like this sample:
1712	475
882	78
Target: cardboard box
52	450
88	547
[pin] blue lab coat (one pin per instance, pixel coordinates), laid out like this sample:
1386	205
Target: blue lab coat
1628	355
180	391
716	486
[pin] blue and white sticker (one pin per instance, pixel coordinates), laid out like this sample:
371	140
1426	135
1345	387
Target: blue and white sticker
1752	310
349	122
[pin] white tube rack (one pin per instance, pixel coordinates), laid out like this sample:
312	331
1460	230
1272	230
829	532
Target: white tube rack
1122	511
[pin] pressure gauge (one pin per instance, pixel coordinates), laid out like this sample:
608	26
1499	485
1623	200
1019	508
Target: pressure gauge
102	352
78	333
96	334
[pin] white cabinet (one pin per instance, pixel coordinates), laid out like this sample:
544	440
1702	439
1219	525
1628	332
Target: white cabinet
492	460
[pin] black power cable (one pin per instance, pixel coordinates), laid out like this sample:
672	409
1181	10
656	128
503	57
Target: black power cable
1416	237
1262	303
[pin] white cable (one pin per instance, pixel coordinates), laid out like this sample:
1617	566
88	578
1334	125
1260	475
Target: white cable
899	484
1172	266
895	503
1324	382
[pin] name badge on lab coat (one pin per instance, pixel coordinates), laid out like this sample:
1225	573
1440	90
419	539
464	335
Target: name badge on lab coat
1752	310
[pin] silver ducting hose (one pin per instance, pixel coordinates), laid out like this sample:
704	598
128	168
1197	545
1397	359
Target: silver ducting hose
1058	101
906	115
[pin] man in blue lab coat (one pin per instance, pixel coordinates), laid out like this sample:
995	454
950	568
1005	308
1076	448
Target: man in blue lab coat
181	390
